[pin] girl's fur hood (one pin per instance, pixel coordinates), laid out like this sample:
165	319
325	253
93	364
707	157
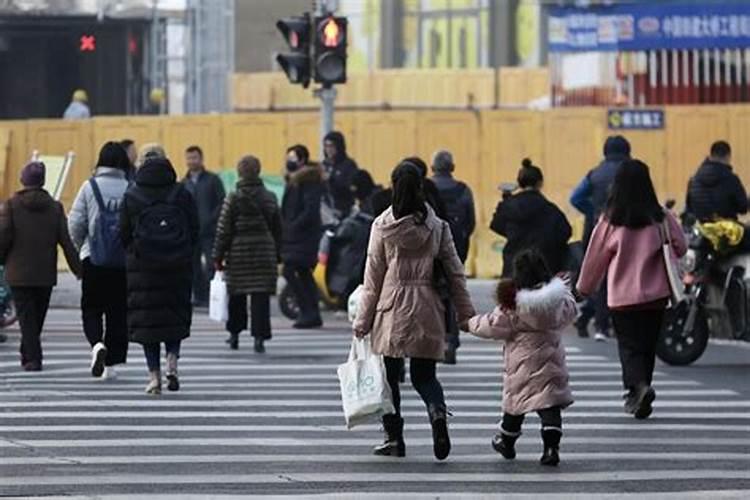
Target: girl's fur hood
540	307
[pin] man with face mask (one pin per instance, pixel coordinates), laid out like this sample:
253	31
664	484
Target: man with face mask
340	170
301	231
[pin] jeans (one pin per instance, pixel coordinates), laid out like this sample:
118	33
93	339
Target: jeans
302	283
551	419
153	352
260	315
104	310
32	304
637	336
423	378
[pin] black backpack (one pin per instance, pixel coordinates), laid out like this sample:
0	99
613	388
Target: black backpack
162	231
455	214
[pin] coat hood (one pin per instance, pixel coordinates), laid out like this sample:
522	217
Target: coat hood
157	172
305	175
616	148
35	199
526	205
407	232
540	307
338	139
711	173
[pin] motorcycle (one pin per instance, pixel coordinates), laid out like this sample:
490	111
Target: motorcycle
717	300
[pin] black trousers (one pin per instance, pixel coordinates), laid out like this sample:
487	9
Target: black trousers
423	378
32	304
104	309
302	283
260	315
202	270
637	335
551	419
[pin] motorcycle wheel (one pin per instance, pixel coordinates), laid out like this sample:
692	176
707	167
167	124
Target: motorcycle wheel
679	347
288	303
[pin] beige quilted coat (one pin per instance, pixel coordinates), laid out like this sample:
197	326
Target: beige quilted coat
536	376
399	306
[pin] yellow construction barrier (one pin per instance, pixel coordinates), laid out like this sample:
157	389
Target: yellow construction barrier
488	147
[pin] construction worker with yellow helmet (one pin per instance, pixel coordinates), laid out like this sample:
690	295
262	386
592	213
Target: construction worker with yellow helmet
78	108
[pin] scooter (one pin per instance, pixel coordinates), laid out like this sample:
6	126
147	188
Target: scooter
717	301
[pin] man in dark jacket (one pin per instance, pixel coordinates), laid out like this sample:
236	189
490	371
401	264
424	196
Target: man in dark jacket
339	171
159	269
590	198
528	220
458	201
715	191
301	232
32	225
208	193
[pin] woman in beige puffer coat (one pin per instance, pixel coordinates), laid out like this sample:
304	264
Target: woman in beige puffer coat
532	310
400	305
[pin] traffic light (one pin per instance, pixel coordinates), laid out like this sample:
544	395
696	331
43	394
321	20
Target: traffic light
296	65
329	51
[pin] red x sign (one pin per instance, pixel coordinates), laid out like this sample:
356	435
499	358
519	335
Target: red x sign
88	43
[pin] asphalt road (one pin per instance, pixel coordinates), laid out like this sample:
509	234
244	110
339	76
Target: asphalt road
271	425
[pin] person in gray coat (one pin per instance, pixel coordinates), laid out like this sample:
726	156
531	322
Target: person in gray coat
208	193
104	288
247	248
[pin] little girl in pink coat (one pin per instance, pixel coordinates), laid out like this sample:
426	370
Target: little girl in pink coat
533	309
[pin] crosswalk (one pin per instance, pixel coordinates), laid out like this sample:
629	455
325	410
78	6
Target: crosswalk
246	424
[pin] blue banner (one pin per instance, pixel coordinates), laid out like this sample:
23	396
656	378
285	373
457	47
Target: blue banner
649	26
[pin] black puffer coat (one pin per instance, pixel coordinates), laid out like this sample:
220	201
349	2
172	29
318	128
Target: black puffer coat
716	192
159	298
300	216
529	220
247	239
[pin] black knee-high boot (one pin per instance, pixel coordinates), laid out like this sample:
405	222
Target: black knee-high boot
551	438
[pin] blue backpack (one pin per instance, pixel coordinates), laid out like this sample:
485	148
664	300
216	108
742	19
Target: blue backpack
105	244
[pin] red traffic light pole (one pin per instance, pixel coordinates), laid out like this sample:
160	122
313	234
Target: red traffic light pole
326	94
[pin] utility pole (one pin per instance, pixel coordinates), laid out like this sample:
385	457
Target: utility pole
327	93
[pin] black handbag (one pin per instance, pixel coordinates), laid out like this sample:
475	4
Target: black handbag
6	232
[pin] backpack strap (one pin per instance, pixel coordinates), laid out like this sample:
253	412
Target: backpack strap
97	195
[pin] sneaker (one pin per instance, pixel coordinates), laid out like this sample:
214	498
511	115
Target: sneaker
601	337
109	373
98	355
154	385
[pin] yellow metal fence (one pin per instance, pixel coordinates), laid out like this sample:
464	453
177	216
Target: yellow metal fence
488	147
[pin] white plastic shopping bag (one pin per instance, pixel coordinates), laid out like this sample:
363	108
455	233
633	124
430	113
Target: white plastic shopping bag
353	303
218	306
365	392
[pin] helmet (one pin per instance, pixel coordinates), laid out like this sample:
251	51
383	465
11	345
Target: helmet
80	95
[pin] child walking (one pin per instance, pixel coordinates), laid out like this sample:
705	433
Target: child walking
533	308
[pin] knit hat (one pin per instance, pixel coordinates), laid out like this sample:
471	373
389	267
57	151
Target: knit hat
33	174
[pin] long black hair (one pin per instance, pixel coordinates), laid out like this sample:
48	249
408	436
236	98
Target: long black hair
408	195
632	202
530	270
113	155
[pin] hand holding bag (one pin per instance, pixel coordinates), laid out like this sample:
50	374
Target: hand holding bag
676	286
365	393
218	307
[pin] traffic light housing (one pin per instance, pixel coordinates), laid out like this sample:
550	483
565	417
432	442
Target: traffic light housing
296	65
329	49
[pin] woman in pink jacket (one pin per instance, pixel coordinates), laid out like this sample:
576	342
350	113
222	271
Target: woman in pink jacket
401	307
626	247
532	310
